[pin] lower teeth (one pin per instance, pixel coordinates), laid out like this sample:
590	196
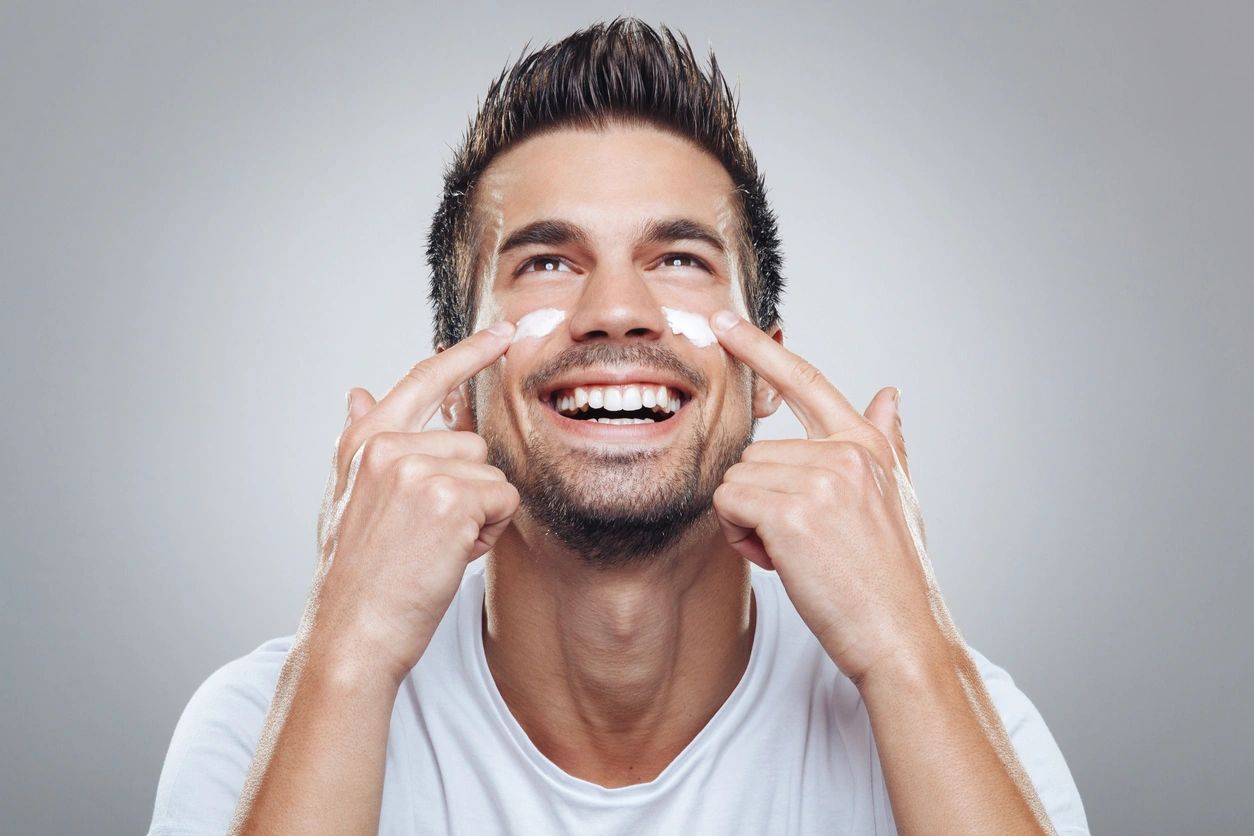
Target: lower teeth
622	420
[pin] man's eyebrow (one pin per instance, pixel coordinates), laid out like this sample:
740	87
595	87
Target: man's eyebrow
552	233
667	230
558	233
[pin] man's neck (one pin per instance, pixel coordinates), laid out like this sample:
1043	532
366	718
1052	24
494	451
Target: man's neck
613	672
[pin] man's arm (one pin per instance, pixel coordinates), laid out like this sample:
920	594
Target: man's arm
318	767
948	762
404	512
233	720
836	516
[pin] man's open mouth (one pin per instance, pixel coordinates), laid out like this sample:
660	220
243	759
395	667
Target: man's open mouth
630	403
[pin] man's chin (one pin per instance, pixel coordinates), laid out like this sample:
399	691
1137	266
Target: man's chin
616	506
609	539
612	508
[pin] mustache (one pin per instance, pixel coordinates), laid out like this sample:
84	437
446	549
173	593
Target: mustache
591	355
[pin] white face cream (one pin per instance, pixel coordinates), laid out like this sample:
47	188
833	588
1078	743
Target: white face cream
694	326
538	323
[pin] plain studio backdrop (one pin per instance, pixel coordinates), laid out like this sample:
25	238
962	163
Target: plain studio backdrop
1034	218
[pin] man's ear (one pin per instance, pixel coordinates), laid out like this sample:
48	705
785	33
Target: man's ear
455	408
765	399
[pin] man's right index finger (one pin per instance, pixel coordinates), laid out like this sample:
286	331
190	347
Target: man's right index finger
411	402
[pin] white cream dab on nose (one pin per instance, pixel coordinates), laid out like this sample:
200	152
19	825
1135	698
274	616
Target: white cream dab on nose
538	323
691	325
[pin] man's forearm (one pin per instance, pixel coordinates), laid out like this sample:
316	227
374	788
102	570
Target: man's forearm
947	761
319	763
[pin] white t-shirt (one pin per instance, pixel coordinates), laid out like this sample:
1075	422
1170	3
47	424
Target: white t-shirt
789	752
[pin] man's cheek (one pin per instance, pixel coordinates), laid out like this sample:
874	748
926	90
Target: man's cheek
486	393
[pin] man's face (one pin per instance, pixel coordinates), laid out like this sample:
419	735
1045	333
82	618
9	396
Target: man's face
615	429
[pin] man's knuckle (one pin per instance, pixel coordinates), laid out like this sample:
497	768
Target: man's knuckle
442	494
376	451
824	481
512	498
754	452
795	515
846	462
805	373
420	373
412	470
476	447
847	456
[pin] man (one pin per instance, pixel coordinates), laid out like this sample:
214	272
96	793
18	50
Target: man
675	630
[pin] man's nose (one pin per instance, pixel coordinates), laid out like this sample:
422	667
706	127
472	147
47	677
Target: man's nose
616	303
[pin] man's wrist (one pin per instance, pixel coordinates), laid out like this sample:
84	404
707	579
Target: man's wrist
349	668
916	668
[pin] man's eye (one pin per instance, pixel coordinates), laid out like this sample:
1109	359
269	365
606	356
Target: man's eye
553	264
678	259
544	264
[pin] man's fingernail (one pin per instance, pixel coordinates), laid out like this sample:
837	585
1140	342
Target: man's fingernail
348	398
502	329
724	320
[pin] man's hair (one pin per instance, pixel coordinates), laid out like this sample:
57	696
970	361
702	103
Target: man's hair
621	71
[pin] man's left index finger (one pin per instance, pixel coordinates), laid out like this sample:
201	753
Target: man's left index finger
822	409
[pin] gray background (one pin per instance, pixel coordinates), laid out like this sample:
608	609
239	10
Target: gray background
1035	219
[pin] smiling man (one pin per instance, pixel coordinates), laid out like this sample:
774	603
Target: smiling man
675	629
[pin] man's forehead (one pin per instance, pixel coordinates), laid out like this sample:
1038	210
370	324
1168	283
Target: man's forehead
616	180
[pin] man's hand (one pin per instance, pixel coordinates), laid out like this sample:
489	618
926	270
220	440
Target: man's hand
834	514
404	512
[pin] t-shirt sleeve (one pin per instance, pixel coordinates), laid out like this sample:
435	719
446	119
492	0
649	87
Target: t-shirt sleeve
213	745
1036	748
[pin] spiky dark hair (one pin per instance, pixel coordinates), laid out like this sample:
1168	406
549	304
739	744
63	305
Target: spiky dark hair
620	71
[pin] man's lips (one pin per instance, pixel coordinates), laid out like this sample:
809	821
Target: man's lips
617	412
620	395
617	401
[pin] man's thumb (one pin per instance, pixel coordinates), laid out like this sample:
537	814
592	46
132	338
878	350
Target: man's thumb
359	403
884	412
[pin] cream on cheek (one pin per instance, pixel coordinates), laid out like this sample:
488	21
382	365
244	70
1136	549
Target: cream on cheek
694	326
537	324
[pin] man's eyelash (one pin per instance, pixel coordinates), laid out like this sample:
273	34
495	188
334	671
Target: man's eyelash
523	268
695	260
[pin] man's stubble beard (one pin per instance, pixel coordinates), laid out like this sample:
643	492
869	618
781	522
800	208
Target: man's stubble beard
615	511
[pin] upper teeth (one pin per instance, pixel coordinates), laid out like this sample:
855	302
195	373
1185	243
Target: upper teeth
625	398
